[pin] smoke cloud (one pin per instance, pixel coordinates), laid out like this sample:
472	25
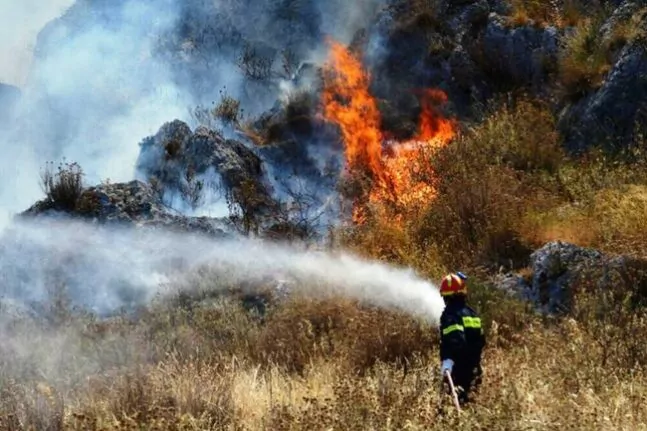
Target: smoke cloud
20	23
107	74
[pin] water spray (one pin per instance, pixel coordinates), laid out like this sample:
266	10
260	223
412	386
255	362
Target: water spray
106	269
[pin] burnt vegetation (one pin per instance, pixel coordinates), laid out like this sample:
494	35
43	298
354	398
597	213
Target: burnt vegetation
62	186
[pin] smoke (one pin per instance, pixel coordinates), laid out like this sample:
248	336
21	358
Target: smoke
20	23
107	74
107	269
95	89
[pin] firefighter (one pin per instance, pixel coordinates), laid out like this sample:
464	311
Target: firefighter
461	335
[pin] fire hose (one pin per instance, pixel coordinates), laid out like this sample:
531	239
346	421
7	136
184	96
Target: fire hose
452	388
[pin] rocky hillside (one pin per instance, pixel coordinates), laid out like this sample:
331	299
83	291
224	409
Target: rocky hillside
506	174
278	171
587	58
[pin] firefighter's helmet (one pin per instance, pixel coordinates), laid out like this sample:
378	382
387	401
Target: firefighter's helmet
454	284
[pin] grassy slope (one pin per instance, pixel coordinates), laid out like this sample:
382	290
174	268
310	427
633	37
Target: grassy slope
505	188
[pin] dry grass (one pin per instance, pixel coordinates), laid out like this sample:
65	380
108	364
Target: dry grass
549	12
614	220
539	375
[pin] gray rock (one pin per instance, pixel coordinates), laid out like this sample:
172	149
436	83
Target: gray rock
474	13
554	266
561	269
608	117
513	285
519	53
624	12
176	159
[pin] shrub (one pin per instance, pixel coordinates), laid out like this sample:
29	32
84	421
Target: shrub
255	66
63	187
228	110
486	181
588	55
296	117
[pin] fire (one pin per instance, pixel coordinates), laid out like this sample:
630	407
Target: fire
348	103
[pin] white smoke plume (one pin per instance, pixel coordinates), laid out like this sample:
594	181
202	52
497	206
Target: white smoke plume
106	269
108	74
20	23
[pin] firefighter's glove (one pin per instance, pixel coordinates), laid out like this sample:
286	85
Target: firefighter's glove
447	365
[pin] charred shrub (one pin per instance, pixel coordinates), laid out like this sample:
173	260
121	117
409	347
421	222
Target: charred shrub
62	186
228	109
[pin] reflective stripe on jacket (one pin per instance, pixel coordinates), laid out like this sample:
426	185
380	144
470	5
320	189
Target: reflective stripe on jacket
461	335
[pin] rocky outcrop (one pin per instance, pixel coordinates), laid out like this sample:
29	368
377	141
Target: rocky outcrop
473	50
559	270
612	115
519	54
286	184
132	204
467	48
179	161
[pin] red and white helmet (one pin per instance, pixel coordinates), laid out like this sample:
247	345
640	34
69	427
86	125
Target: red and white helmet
453	284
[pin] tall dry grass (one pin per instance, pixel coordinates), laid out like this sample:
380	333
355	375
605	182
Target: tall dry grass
360	368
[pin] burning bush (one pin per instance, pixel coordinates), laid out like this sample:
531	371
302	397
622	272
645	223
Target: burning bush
487	181
389	168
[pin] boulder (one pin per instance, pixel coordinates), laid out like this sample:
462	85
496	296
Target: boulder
554	267
560	270
185	163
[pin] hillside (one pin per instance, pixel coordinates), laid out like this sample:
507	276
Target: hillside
272	261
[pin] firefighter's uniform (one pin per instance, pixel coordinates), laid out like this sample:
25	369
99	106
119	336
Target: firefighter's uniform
461	335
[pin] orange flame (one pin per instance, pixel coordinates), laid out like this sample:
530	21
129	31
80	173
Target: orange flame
348	103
